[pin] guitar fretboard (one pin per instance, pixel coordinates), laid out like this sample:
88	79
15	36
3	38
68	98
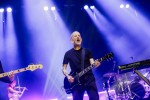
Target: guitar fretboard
85	71
90	67
14	71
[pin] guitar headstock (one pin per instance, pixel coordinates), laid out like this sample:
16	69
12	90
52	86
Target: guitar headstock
34	67
108	56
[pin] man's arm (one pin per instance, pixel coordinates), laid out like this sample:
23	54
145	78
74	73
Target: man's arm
70	78
64	70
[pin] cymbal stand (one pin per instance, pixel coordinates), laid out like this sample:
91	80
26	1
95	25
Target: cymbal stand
106	87
128	87
109	98
108	82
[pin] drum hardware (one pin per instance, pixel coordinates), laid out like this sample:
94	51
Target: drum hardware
137	90
134	66
122	88
107	83
128	87
134	90
134	95
109	75
107	87
142	77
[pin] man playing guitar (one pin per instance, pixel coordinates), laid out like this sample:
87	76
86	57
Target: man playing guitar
74	58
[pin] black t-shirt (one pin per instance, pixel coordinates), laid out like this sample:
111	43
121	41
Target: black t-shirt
73	57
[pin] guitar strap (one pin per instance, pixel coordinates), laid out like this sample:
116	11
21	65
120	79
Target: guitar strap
82	59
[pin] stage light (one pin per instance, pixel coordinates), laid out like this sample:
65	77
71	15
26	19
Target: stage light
92	7
122	6
127	5
46	8
9	9
53	8
86	7
1	10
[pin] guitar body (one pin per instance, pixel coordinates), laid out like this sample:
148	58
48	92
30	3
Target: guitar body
69	86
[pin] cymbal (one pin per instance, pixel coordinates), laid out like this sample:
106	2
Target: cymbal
109	74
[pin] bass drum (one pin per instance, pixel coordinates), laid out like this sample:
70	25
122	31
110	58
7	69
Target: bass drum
138	90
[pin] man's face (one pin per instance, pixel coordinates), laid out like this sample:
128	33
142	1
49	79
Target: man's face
76	39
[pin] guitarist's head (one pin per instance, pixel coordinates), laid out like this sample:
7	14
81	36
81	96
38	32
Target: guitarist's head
76	39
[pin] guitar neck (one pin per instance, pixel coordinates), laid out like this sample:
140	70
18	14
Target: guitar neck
14	71
101	59
85	71
88	68
108	56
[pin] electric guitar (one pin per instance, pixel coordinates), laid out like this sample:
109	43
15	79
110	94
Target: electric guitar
30	67
69	86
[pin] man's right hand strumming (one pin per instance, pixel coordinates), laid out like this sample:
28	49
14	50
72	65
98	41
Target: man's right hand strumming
70	79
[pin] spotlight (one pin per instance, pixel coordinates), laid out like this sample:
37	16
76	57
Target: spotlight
92	7
9	9
127	5
86	7
122	6
46	8
1	10
53	8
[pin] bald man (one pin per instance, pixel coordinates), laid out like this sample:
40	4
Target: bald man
79	61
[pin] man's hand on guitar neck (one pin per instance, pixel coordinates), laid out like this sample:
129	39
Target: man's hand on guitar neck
95	63
11	75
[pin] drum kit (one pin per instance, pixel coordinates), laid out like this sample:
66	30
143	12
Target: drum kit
127	86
